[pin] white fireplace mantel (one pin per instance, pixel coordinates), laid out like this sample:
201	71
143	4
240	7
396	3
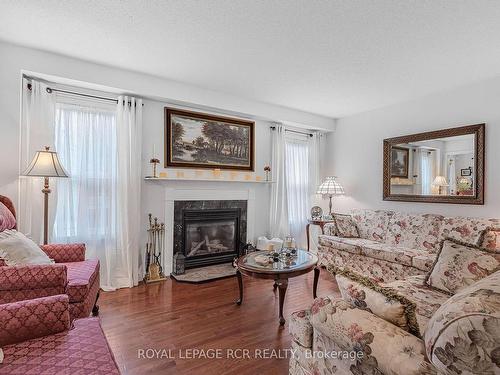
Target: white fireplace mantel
198	194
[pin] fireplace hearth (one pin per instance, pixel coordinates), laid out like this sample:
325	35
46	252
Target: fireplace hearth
209	232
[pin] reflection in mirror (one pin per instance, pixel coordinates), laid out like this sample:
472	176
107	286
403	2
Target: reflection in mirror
441	166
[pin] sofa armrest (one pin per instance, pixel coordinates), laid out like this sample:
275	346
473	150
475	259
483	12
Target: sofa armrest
65	253
29	319
379	345
463	335
23	282
300	328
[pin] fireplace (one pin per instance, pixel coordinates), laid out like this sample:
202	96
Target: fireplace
209	232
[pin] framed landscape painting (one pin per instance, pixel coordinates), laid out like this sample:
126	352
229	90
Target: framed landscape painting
199	140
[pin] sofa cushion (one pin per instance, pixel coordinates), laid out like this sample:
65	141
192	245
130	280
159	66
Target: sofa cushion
345	225
423	262
459	265
426	299
470	230
81	276
7	219
300	328
415	231
372	225
82	350
351	245
393	254
463	336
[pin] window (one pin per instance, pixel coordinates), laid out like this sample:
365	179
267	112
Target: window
85	138
297	184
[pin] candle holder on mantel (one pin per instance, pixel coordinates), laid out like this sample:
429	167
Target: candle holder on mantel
154	161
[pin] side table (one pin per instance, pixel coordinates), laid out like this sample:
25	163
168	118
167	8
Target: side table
320	222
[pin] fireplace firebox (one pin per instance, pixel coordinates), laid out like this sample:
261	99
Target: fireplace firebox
209	235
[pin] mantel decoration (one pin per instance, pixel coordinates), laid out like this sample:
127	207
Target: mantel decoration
199	140
154	250
267	171
45	164
153	162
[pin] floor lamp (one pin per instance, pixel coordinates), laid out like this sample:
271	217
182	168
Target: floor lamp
330	186
45	164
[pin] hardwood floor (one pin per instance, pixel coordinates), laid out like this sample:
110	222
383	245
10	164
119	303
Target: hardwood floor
181	317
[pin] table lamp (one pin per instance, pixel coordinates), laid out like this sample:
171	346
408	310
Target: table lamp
45	164
330	186
440	181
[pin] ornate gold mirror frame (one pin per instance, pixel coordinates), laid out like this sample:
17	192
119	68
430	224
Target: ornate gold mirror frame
479	155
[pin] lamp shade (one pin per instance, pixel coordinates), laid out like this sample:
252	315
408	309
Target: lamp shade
45	164
330	186
440	181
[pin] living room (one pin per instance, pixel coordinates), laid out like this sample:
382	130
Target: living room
249	187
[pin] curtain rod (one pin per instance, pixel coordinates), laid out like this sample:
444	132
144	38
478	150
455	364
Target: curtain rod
50	90
294	131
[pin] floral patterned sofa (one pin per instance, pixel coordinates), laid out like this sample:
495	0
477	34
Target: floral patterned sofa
394	245
71	274
37	337
401	327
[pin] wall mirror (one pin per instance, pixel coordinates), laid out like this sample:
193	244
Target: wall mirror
443	166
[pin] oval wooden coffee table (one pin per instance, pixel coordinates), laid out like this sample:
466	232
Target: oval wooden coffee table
280	271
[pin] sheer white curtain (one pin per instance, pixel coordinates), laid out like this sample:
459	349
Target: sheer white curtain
86	140
452	180
426	172
100	145
129	139
36	131
278	215
295	165
297	156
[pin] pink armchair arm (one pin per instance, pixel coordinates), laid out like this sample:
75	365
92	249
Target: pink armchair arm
65	253
31	281
25	320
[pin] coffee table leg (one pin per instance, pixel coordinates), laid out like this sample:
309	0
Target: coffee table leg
282	285
307	235
315	283
240	285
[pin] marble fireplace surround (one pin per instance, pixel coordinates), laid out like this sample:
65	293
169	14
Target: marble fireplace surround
172	195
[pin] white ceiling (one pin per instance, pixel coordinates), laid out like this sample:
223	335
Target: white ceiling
328	57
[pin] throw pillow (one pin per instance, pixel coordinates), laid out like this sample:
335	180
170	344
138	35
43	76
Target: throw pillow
459	265
345	225
17	249
362	293
7	220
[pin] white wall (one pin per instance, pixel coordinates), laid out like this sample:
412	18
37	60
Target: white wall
355	148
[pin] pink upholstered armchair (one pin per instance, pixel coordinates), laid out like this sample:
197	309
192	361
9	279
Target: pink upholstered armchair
48	330
71	274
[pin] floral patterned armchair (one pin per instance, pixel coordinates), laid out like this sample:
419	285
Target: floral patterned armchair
399	328
71	274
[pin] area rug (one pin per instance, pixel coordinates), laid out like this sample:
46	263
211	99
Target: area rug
204	274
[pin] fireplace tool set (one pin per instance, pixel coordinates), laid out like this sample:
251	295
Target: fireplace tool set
154	250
